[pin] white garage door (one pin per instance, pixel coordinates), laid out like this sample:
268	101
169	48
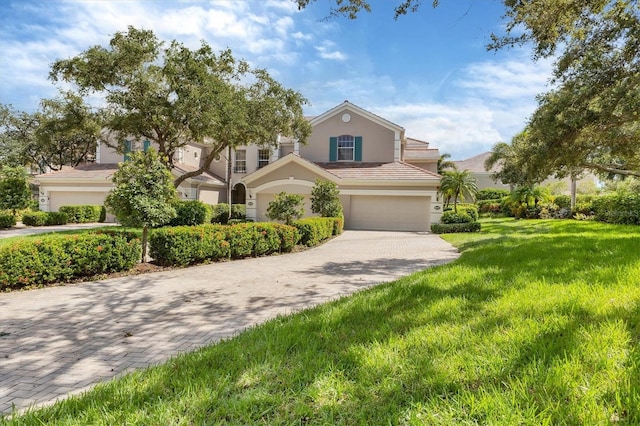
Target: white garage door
68	198
387	213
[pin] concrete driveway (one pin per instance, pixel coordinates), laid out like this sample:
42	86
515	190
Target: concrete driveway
62	340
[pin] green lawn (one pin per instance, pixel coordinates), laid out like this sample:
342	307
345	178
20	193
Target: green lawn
538	322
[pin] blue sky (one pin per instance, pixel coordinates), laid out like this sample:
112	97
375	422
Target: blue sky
428	72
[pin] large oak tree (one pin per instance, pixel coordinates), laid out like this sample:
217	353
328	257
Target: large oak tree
173	95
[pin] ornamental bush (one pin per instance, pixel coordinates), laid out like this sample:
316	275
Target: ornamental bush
59	258
191	213
452	217
621	208
491	194
186	245
220	212
44	218
313	230
83	213
7	220
448	228
489	206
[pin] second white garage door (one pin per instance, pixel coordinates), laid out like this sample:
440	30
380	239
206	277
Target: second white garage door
388	213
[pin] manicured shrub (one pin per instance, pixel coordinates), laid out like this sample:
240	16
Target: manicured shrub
220	212
34	218
192	212
338	225
491	194
452	217
448	228
58	258
56	218
82	213
186	245
313	230
562	201
7	220
618	208
44	218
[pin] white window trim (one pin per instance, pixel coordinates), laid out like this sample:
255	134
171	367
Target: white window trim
238	161
352	148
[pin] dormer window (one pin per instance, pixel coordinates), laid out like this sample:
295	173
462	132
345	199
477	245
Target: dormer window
346	148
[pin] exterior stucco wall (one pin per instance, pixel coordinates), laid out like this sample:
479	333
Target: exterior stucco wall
291	170
377	141
426	165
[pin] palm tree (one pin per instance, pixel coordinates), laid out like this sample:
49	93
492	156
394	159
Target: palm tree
444	164
458	184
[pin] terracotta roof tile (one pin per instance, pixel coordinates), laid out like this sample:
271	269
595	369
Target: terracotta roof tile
89	171
378	171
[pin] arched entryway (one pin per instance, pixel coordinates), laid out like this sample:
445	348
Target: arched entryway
239	194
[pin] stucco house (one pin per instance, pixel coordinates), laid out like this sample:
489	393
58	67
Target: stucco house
386	180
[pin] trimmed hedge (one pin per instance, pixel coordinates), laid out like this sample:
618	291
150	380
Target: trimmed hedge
187	245
617	208
489	206
84	213
39	218
491	194
191	213
7	220
220	212
448	228
59	258
451	217
313	230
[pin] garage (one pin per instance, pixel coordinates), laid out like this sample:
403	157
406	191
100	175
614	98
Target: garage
69	198
389	213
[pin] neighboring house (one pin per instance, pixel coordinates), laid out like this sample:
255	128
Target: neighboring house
587	182
386	181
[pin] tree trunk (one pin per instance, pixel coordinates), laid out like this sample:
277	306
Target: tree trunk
573	192
145	231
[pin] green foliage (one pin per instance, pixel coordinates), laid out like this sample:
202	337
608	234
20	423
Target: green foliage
150	87
83	213
617	208
325	199
191	212
188	245
489	206
453	217
44	218
14	189
144	194
7	220
449	228
491	194
286	207
458	184
220	212
314	230
562	201
58	258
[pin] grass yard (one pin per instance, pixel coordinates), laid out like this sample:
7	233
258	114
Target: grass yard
538	322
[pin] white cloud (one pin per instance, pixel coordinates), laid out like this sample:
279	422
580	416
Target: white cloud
327	50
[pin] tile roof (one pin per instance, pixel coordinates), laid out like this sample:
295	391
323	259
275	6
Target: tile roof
83	171
475	164
205	177
378	171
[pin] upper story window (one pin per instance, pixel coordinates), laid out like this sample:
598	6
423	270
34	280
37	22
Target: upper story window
263	157
240	165
346	148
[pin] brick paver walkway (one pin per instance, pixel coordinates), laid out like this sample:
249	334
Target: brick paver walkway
62	340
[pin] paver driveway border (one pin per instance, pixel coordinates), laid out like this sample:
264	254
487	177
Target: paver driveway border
62	340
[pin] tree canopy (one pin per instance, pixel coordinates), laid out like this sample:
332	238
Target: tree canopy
144	194
173	95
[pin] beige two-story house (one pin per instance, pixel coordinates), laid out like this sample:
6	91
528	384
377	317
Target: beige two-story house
386	180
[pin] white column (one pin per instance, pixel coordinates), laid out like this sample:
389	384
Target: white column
396	147
252	211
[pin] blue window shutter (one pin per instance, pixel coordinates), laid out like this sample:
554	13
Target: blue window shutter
147	144
333	149
358	150
127	150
